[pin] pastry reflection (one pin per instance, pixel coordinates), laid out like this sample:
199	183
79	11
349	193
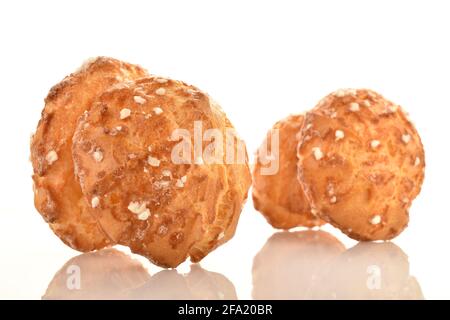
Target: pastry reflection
198	284
111	274
315	265
371	270
291	263
104	274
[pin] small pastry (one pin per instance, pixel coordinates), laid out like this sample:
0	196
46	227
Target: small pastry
276	191
361	163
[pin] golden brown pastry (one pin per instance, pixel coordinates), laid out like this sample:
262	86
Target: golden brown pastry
361	163
278	195
127	159
58	195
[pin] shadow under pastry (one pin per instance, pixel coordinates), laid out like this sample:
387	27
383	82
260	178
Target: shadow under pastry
315	265
110	274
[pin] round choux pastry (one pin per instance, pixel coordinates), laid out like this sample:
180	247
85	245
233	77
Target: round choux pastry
133	159
361	163
121	157
57	194
276	191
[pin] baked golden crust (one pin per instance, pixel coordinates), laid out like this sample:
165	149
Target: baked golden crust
166	211
361	163
279	196
57	194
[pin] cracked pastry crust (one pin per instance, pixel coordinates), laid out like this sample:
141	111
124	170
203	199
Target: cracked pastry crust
280	196
122	150
361	163
57	194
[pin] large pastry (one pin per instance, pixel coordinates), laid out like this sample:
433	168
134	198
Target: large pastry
156	166
57	193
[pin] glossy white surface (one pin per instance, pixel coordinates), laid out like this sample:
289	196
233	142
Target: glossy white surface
261	61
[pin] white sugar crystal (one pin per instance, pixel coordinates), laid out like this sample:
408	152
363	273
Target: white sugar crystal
160	91
51	157
180	182
95	201
339	135
154	162
139	209
375	219
157	110
417	161
354	107
406	138
374	144
97	155
144	215
318	154
139	99
125	113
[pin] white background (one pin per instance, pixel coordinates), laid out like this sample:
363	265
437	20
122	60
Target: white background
261	60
